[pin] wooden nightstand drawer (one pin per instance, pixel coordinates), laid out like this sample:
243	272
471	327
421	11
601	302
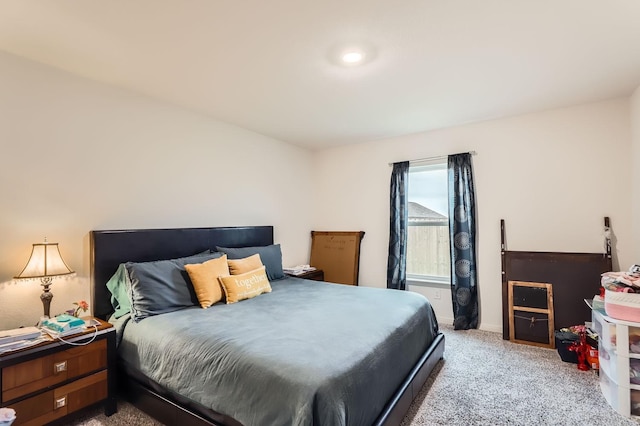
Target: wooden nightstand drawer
53	404
30	376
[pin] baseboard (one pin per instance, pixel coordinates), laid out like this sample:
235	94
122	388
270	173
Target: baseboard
494	328
445	320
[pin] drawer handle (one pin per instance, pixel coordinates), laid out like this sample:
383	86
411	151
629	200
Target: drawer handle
60	402
59	367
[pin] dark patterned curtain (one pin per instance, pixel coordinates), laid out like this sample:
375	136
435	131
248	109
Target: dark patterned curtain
397	263
462	231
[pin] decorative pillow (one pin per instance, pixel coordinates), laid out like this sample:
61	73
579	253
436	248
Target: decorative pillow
162	286
271	257
204	277
245	286
119	286
240	266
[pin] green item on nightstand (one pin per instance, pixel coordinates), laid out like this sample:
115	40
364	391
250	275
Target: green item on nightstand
63	323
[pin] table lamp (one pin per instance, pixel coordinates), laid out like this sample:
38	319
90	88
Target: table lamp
45	262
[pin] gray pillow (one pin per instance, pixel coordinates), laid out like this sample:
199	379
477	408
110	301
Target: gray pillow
162	286
271	257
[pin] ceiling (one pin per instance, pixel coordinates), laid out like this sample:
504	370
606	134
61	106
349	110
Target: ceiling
270	66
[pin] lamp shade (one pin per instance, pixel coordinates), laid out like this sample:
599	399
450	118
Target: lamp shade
45	261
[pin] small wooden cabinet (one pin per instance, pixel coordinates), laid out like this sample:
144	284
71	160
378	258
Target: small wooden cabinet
55	379
317	275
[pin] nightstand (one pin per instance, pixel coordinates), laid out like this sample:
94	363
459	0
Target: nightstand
53	380
316	275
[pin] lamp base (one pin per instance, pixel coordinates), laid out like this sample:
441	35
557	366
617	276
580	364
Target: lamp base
46	296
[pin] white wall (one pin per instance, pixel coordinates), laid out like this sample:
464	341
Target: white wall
635	166
78	155
552	176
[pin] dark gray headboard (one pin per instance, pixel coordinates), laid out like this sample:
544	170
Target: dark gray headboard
111	248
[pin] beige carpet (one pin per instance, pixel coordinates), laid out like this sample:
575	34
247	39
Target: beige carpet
483	380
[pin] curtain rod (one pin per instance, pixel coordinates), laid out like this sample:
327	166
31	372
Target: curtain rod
438	157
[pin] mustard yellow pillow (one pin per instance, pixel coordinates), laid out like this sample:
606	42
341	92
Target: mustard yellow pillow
204	277
247	264
245	286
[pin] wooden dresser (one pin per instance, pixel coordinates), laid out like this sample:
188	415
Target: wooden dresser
54	380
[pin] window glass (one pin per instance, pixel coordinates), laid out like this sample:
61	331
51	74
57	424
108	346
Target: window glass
428	256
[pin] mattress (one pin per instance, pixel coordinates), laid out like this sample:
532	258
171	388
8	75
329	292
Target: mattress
308	353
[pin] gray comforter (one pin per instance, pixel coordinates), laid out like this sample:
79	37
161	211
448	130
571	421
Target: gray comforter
308	353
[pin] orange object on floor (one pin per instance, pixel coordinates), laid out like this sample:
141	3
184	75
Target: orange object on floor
592	358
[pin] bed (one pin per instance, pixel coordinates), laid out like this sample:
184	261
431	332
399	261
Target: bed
307	352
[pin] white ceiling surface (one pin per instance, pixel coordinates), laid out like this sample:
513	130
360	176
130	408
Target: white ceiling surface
267	65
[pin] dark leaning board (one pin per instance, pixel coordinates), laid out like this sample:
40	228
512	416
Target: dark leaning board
574	277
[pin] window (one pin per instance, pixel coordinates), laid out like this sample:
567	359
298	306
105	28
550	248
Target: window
428	255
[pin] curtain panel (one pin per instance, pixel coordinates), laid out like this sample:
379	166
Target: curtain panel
462	230
399	218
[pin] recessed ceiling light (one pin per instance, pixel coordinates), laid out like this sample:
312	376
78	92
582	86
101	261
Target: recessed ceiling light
353	57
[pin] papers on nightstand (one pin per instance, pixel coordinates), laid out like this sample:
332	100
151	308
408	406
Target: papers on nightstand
19	338
24	333
298	270
21	344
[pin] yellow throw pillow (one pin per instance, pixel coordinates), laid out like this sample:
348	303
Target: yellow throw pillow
204	277
245	286
247	264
